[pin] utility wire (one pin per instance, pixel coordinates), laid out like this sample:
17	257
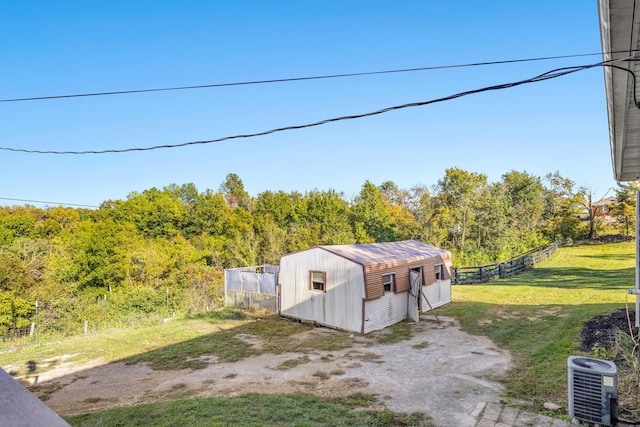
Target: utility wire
50	203
552	74
294	79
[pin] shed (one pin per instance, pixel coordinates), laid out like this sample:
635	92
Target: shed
364	287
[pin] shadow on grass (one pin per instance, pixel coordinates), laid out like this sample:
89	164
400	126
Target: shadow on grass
610	256
569	278
271	334
231	345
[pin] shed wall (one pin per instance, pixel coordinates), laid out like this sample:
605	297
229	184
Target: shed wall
339	306
438	294
385	311
374	273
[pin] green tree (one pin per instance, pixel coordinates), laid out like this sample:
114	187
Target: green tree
16	222
371	219
99	254
526	207
148	263
154	212
54	220
12	274
429	225
459	193
240	243
208	214
491	229
593	210
279	205
625	210
398	203
271	240
562	206
329	213
232	188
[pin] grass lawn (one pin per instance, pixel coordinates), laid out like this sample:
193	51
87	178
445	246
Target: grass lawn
538	315
176	344
253	410
116	344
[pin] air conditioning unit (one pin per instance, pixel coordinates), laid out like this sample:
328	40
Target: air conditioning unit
593	390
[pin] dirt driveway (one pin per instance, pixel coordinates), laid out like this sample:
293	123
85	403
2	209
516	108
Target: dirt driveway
441	371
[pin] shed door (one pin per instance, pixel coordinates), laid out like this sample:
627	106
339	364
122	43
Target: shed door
413	306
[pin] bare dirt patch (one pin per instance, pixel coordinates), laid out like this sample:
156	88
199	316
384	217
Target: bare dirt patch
440	371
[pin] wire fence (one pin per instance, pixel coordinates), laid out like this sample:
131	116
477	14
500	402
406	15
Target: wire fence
25	323
485	273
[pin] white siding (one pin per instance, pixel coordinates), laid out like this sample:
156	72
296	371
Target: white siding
340	306
438	294
385	311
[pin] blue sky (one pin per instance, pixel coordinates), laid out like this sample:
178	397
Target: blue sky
67	47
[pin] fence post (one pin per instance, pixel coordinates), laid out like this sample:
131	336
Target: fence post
37	332
106	311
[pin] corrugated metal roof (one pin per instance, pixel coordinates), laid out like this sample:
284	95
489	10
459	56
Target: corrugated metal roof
381	253
620	35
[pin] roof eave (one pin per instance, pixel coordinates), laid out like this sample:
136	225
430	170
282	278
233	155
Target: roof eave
619	27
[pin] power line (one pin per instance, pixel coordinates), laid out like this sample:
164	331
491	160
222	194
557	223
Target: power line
295	79
49	203
552	74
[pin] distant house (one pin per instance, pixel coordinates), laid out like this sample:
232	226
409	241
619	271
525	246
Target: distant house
364	287
605	206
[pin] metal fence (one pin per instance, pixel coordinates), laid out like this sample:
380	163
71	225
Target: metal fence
484	273
254	287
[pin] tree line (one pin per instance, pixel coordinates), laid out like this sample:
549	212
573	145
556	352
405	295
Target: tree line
177	240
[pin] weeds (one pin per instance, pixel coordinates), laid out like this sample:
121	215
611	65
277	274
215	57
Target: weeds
423	344
226	313
357	399
626	353
292	363
396	333
321	374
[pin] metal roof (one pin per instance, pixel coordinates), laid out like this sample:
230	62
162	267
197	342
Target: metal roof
383	253
619	32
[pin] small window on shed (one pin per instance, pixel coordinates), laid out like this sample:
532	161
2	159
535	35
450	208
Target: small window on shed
388	281
318	280
439	270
